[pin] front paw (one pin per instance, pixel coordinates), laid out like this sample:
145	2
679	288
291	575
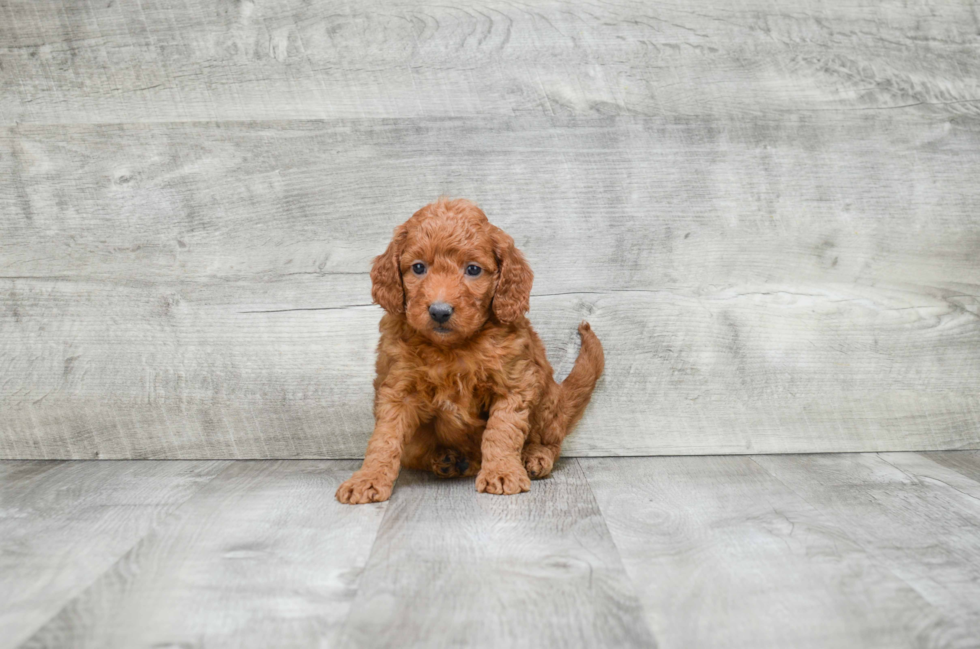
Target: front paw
364	488
506	479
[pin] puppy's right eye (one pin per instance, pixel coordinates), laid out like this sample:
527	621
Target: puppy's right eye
418	268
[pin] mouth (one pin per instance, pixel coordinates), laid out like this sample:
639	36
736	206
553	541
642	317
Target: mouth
442	330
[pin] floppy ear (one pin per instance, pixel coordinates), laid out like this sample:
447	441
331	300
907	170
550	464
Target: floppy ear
513	296
386	277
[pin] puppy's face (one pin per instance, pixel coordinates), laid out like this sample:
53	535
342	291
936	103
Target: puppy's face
448	271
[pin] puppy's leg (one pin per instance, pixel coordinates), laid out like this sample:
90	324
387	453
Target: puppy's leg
539	458
395	418
544	441
543	447
502	471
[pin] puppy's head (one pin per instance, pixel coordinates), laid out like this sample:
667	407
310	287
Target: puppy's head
447	271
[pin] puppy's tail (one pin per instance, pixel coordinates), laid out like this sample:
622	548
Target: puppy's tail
576	390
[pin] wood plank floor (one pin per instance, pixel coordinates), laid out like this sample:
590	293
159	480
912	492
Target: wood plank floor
862	550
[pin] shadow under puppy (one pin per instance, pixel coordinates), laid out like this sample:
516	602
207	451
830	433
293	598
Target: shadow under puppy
463	385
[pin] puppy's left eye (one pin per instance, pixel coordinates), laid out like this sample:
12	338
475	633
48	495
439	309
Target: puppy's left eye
473	270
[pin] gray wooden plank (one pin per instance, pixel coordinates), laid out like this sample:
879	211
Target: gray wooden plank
723	554
261	557
14	472
62	525
919	518
200	60
965	462
596	204
452	567
761	285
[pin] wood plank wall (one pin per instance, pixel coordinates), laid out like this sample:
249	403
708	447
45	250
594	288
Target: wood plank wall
769	211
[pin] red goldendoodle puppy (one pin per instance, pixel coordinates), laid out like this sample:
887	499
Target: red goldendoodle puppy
463	384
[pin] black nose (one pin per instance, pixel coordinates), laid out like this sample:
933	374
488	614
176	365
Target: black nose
440	312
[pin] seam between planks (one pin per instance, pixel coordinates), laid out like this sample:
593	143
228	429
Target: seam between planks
775	113
341	630
619	556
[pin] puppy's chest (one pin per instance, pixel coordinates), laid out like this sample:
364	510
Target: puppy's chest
456	391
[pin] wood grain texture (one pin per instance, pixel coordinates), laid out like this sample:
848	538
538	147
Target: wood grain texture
761	551
263	556
723	554
63	524
451	567
14	473
290	59
761	285
920	519
965	462
768	211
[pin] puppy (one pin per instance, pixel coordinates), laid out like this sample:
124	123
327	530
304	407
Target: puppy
463	385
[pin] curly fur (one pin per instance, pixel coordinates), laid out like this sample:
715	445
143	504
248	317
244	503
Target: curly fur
479	399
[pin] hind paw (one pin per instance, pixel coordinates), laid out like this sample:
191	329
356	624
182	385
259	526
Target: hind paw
538	461
450	464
